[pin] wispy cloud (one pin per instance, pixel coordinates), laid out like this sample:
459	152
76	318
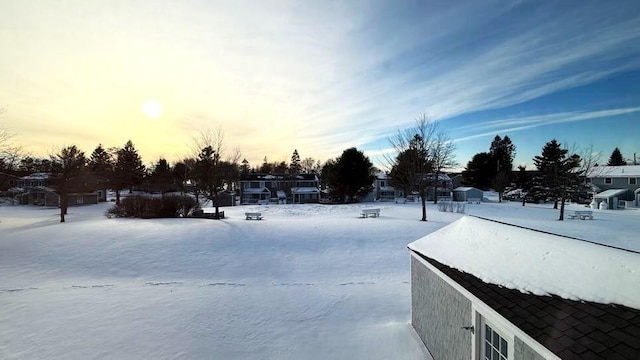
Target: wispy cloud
515	124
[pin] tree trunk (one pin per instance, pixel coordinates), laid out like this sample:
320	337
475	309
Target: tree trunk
523	200
117	197
424	207
555	203
562	208
63	209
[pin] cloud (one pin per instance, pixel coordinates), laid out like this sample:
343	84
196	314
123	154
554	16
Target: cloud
515	124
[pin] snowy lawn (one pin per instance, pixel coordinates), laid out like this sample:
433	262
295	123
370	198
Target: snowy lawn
308	281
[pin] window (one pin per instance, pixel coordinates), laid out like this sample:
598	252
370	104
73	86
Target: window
632	181
607	180
494	346
588	180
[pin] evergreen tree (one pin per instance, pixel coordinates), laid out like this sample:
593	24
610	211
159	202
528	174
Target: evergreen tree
68	163
180	174
351	177
616	158
161	177
244	168
478	171
295	167
129	170
266	167
100	162
559	174
502	153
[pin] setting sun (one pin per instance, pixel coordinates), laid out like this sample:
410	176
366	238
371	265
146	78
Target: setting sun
152	109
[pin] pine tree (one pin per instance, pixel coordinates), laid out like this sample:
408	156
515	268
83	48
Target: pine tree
616	158
129	170
67	166
559	176
100	162
502	152
350	177
295	167
245	168
161	176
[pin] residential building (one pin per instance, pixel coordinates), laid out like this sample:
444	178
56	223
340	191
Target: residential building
615	186
279	188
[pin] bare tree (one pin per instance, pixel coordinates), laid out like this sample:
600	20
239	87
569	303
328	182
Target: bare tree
412	165
10	154
215	170
443	157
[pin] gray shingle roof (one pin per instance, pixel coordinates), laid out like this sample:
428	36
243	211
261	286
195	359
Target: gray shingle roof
570	329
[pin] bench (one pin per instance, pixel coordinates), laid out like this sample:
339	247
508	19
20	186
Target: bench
253	215
473	200
370	212
582	215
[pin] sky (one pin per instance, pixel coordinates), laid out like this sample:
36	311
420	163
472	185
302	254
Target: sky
320	76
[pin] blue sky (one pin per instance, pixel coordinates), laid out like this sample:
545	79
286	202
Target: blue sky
321	76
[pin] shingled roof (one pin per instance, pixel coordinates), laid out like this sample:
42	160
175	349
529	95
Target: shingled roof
571	329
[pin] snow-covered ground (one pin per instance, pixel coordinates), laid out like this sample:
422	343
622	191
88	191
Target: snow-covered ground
308	281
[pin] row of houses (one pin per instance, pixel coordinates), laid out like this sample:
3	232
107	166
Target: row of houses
305	188
614	187
35	189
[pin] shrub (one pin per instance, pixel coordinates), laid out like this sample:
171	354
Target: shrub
450	206
147	207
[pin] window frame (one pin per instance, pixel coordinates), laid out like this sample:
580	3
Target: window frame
498	325
635	181
608	181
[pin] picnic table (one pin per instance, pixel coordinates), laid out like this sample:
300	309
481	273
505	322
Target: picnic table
582	215
253	215
370	212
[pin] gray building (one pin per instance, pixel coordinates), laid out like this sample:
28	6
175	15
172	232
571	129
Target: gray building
625	180
467	194
289	188
458	315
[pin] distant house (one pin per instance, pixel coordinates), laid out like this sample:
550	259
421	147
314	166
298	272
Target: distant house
443	186
625	180
467	194
487	290
383	190
290	188
36	189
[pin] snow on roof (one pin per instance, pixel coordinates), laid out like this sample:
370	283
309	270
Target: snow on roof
615	171
305	190
255	190
611	192
464	188
36	176
536	262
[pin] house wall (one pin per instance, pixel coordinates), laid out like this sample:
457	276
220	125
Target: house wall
522	351
438	313
616	183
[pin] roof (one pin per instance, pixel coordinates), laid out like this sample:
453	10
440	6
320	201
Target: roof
578	299
536	262
465	188
305	190
611	192
278	177
36	176
615	171
570	329
255	190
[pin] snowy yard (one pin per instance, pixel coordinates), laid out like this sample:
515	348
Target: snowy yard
308	281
